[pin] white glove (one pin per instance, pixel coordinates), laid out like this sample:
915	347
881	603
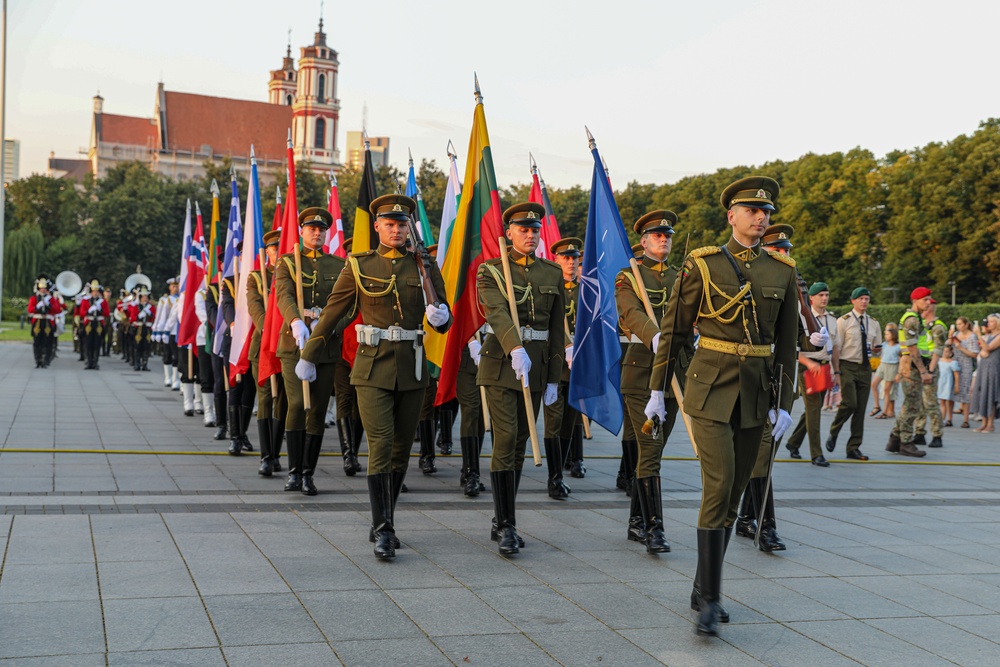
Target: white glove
474	348
569	356
521	363
92	310
656	342
551	393
780	423
437	315
655	406
300	332
305	370
820	338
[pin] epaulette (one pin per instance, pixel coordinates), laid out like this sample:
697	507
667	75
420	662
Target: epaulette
704	252
845	316
782	258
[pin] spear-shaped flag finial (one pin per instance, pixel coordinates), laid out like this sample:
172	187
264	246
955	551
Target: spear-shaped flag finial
411	156
604	163
197	209
479	93
399	188
532	163
232	173
214	189
364	136
253	158
333	178
590	138
289	144
451	150
189	206
278	188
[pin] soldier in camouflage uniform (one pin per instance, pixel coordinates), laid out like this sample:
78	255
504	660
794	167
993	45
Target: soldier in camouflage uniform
931	347
913	373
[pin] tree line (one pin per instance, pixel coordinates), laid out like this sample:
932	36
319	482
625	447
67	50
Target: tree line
923	216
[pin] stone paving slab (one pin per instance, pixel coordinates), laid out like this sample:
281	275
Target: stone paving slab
117	558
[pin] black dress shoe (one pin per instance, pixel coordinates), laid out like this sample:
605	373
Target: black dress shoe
396	544
919	439
857	455
831	444
265	469
794	454
746	527
308	488
821	462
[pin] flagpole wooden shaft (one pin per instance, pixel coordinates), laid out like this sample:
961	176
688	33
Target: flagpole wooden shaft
529	408
482	397
675	386
586	420
306	402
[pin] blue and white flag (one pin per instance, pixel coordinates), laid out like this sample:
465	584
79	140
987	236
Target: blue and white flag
234	236
595	380
413	192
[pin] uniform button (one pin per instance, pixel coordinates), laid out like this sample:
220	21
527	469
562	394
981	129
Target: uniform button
747	264
743	358
695	375
393	261
395	324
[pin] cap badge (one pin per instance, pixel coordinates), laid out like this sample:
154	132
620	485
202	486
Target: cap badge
396	208
782	236
763	194
531	215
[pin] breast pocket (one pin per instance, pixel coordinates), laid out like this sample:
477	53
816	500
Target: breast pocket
699	380
771	302
544	301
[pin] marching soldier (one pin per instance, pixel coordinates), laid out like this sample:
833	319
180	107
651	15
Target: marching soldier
913	372
270	408
241	393
656	230
742	298
390	373
219	372
511	359
931	347
94	317
205	378
108	326
349	427
630	452
428	422
472	427
168	339
141	315
305	428
43	309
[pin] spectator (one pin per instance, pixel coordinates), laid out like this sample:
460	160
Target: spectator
966	345
884	382
986	392
947	381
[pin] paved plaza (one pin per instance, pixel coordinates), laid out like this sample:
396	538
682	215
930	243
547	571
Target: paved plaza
130	538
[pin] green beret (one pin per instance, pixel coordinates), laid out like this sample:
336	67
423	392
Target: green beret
526	214
816	288
860	292
656	221
758	191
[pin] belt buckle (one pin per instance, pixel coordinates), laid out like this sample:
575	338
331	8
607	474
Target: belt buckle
742	349
395	334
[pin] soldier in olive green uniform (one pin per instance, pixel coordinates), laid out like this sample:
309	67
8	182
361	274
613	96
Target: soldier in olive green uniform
563	425
656	230
630	452
427	424
270	409
472	426
532	356
742	298
931	347
390	371
349	427
320	271
913	373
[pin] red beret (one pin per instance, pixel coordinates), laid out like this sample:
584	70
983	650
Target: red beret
919	293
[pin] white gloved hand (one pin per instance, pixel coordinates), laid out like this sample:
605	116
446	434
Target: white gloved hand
474	349
92	310
656	342
780	423
655	406
521	363
569	355
300	332
437	315
305	370
551	393
820	338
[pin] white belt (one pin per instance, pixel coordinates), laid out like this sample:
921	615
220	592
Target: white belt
527	333
36	316
633	339
394	334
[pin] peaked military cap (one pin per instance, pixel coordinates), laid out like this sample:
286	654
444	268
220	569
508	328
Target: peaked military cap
638	251
757	191
348	244
174	281
273	237
656	221
526	214
316	217
397	207
567	247
778	236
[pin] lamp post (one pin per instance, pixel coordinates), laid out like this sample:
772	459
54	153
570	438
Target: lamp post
952	283
893	290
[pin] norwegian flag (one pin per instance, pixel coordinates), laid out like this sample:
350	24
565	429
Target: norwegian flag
194	263
334	244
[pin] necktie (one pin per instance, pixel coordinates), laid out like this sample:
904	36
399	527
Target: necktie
864	341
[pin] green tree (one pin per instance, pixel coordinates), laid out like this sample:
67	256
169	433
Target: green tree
22	260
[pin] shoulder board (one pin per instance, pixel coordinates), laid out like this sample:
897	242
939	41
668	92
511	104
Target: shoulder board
845	316
704	252
782	258
363	254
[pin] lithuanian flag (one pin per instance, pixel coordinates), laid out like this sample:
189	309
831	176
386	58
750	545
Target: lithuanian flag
474	239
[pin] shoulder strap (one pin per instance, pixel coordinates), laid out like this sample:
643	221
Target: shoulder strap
736	267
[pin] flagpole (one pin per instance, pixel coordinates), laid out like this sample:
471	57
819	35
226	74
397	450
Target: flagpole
529	407
482	396
274	377
297	253
236	269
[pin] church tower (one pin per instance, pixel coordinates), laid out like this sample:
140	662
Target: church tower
316	109
282	87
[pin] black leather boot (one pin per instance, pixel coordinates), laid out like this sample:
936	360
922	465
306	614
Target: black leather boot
651	503
246	414
636	523
310	459
630	457
235	437
696	594
446	420
470	471
769	540
553	458
358	432
380	495
711	553
345	434
746	523
222	432
264	433
425	429
277	435
576	468
621	478
296	443
504	493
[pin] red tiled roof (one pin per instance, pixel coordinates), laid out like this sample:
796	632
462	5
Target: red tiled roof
128	130
228	126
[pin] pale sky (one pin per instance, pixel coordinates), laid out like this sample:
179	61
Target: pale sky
668	88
